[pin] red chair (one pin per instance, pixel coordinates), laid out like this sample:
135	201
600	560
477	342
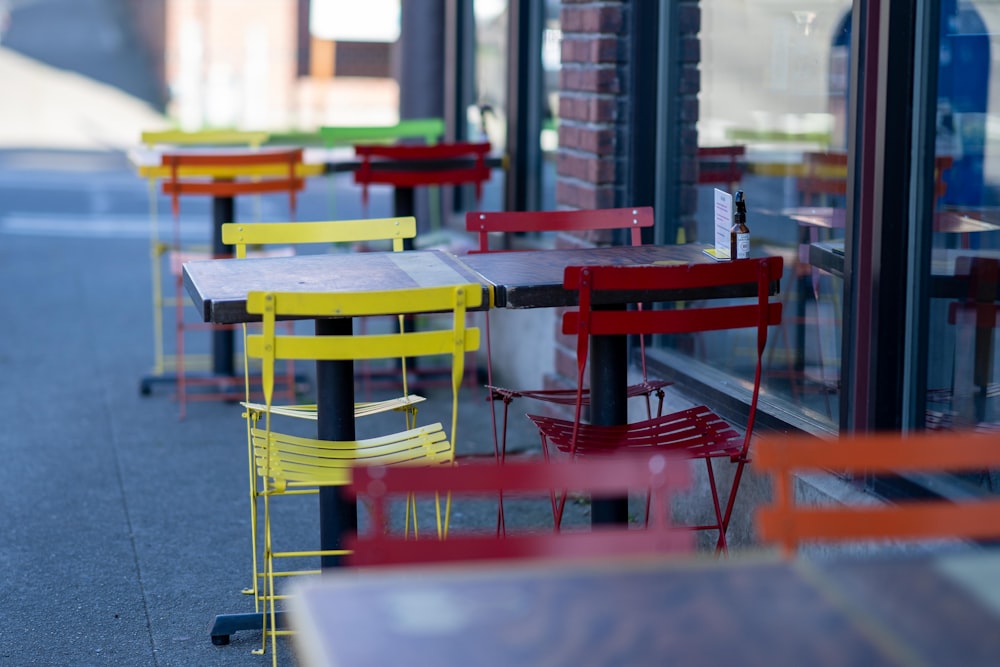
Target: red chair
414	165
221	175
696	432
658	475
722	165
407	167
484	224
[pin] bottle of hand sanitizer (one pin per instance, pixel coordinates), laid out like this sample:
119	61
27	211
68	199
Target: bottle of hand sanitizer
739	235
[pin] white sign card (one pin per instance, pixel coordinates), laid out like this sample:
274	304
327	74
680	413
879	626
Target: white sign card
723	225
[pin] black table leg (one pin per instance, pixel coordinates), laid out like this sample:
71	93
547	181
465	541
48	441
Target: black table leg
404	205
223	211
338	516
609	406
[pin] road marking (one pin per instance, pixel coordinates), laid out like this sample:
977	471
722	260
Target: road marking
89	226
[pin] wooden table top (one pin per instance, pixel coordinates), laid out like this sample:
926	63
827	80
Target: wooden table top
533	278
219	287
681	613
529	279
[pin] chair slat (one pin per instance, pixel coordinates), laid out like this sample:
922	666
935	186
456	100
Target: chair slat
658	474
486	222
885	453
912	521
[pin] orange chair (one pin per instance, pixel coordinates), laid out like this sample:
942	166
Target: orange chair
485	224
223	176
789	524
161	248
696	433
658	475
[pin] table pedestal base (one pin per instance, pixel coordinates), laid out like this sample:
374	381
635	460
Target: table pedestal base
227	624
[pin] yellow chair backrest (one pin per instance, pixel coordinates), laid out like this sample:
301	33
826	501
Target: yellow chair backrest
252	139
454	340
241	234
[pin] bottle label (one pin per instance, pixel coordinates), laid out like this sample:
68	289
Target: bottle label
742	246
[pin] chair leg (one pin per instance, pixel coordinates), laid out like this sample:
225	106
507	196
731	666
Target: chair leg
737	476
179	366
558	504
721	544
268	584
499	453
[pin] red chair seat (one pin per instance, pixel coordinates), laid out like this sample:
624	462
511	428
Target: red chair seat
697	432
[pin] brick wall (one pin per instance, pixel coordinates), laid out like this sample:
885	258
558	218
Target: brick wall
689	83
592	97
594	102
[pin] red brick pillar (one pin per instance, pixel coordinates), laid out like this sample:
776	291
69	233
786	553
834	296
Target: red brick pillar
594	105
591	81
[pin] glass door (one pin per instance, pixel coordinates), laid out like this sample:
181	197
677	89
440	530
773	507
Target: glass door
964	272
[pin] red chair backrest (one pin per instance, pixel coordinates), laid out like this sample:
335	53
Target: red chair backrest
611	476
457	163
483	223
637	284
721	164
249	172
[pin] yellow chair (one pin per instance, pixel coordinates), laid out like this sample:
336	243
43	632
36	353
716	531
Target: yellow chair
288	463
161	245
255	235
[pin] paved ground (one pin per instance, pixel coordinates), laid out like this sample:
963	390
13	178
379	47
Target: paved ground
124	531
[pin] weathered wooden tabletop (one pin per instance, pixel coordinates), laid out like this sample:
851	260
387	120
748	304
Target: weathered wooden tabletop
661	612
534	278
529	279
219	287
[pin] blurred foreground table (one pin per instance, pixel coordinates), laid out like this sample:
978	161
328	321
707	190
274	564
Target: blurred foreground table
701	613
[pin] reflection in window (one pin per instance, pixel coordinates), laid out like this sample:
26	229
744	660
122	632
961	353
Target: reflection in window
773	86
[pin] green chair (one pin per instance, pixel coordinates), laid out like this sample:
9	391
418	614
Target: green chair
431	130
428	131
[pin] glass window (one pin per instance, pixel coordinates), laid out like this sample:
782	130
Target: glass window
961	367
487	114
771	123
